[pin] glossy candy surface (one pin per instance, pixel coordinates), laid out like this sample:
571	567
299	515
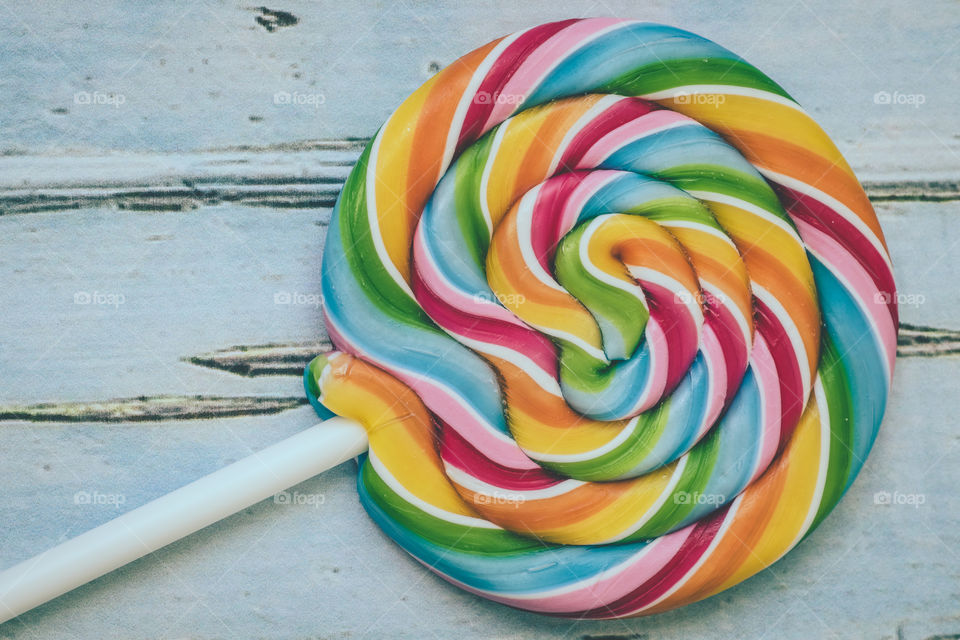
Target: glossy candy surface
619	319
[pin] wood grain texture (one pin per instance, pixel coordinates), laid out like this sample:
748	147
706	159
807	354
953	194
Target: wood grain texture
149	408
198	285
197	76
263	360
927	341
167	256
308	175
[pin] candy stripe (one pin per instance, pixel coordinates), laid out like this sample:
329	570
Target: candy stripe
617	315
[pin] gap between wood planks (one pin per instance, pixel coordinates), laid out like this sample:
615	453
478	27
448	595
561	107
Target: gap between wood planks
299	175
290	360
150	409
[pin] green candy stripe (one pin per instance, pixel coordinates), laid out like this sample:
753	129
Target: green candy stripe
622	459
468	195
621	317
438	531
701	461
361	253
833	375
667	74
736	184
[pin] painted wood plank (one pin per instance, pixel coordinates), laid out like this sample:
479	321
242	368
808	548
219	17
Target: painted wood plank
198	76
927	341
290	359
200	133
300	176
108	306
149	408
211	281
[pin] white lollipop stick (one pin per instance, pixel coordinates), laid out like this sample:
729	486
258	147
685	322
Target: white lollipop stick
178	514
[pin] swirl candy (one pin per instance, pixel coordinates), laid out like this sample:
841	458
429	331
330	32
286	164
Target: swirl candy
616	315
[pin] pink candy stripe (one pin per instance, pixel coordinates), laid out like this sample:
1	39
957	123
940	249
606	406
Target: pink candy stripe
448	408
787	361
474	318
765	371
679	328
839	260
830	222
531	71
616	115
628	133
499	73
460	454
736	352
659	366
716	365
557	208
696	544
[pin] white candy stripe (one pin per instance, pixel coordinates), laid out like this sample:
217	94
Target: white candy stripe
408	496
838	207
666	494
475	485
583	251
372	218
621	437
728	520
792	331
606	102
469	95
760	212
721	89
823	409
524	221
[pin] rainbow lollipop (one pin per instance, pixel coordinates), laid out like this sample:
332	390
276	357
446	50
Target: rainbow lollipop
615	315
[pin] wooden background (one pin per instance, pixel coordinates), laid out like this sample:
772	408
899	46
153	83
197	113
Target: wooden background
164	209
